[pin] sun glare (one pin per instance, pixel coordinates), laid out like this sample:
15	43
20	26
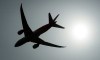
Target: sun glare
80	34
80	31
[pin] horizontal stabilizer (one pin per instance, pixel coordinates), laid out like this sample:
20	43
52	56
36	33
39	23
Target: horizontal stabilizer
58	26
50	18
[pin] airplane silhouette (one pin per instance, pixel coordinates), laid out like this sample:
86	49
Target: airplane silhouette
33	36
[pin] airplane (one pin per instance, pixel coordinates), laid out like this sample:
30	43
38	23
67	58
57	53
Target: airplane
33	36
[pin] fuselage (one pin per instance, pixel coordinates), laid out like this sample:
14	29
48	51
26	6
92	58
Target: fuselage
42	29
34	36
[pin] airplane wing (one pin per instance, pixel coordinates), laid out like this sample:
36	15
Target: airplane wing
50	44
24	22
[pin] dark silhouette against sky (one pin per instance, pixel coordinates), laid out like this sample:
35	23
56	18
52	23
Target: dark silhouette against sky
86	12
33	36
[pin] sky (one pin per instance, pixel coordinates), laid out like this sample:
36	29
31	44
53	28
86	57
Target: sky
81	34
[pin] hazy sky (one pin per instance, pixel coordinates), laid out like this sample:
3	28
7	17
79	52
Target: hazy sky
72	13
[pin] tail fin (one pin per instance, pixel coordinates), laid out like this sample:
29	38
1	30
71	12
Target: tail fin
53	21
56	17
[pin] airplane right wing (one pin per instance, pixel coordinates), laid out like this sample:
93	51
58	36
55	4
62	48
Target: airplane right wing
50	44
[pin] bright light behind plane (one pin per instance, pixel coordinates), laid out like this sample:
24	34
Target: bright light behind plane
80	34
80	30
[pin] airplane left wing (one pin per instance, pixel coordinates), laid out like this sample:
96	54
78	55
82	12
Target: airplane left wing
24	22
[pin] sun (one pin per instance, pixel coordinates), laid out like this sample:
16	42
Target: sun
80	34
80	31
